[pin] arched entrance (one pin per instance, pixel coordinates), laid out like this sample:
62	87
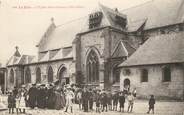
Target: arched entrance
27	76
63	78
50	75
92	67
38	75
127	84
2	81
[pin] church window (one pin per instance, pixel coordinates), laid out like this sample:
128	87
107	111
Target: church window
92	67
12	76
28	76
95	19
38	75
166	74
50	75
144	75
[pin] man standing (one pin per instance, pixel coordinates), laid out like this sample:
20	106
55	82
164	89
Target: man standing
85	95
91	96
69	97
32	96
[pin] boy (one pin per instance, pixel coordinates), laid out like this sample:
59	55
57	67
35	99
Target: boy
121	101
130	99
98	98
115	101
151	104
11	103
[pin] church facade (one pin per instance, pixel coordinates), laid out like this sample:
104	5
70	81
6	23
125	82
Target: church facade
91	50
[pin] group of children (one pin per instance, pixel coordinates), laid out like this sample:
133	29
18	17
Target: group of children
17	101
106	100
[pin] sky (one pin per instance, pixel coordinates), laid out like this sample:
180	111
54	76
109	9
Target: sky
23	22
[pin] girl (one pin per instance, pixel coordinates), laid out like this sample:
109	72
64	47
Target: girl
22	104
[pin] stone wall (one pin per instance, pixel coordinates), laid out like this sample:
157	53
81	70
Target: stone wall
173	89
56	66
19	71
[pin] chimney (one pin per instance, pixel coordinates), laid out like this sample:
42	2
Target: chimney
116	10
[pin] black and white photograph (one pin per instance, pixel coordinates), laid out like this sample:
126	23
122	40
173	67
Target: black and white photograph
91	57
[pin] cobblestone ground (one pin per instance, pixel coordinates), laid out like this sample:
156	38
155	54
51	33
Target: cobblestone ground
140	108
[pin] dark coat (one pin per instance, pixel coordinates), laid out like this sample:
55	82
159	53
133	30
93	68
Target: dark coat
33	93
104	99
51	99
151	102
11	101
121	99
42	94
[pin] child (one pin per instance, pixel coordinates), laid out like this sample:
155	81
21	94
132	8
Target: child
130	99
69	97
121	101
22	102
151	104
115	101
11	103
109	97
104	100
17	103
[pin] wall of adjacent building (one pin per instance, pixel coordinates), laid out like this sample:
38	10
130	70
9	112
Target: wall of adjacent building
173	89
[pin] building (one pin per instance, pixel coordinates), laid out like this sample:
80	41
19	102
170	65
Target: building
89	50
157	65
2	79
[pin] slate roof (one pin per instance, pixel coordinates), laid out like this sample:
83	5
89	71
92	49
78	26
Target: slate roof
123	49
157	13
23	59
168	48
63	35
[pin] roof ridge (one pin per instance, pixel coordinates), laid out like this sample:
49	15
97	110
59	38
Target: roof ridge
128	44
137	5
68	22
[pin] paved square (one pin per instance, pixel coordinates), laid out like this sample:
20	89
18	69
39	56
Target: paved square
140	108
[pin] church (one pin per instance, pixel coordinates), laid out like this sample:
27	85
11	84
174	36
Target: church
102	48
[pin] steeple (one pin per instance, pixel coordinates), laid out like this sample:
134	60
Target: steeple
17	53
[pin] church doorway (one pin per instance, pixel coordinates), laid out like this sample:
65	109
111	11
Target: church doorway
63	77
127	84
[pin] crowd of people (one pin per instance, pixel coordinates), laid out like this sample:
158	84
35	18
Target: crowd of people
55	96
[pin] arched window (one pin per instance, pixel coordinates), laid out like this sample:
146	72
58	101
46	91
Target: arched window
11	76
144	75
28	76
166	73
92	67
38	75
50	74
